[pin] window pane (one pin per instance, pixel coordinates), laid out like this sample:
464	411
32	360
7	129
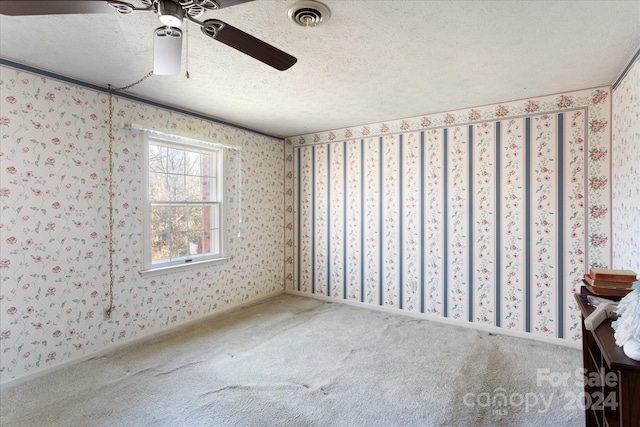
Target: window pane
212	160
180	219
206	225
158	188
207	193
159	247
175	188
175	159
167	188
160	219
195	243
179	245
212	229
196	218
193	189
215	216
212	188
193	163
157	158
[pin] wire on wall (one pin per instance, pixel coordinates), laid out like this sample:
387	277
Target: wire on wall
107	310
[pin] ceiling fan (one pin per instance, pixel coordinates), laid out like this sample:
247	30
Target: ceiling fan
168	38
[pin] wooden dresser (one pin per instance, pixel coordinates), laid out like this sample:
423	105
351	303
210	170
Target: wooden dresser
612	380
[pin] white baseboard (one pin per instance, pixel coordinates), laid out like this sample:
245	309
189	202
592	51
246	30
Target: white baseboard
445	320
151	336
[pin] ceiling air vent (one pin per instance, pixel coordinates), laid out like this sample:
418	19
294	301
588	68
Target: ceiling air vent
308	13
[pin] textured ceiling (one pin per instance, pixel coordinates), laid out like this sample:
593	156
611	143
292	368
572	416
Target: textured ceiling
371	61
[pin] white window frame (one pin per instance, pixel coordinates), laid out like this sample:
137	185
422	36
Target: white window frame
150	268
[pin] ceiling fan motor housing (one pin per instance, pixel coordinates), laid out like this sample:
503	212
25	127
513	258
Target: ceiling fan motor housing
170	13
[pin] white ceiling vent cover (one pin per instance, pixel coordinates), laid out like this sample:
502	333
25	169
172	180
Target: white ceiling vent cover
308	13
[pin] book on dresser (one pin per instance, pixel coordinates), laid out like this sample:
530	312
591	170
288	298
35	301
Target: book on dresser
613	275
607	282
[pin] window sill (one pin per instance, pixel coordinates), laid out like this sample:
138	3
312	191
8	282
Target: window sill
156	271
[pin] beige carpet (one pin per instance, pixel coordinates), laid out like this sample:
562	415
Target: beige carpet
294	361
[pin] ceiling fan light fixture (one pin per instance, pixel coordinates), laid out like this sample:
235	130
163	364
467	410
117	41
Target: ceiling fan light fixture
171	14
167	51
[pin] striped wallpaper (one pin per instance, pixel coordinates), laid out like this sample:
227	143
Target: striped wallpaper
492	222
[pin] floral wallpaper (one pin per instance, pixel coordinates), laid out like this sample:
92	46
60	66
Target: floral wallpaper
54	227
626	170
489	215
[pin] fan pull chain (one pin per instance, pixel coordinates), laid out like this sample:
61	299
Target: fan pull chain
107	310
145	77
186	28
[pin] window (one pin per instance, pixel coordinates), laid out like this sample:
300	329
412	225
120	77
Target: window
184	212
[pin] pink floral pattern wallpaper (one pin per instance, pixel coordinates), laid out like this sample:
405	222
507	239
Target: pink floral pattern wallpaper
409	183
320	233
390	189
457	219
512	228
304	221
484	203
353	249
54	225
432	221
626	170
336	240
489	215
371	225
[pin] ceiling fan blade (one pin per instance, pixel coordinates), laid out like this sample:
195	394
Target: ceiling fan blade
246	43
228	3
29	7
